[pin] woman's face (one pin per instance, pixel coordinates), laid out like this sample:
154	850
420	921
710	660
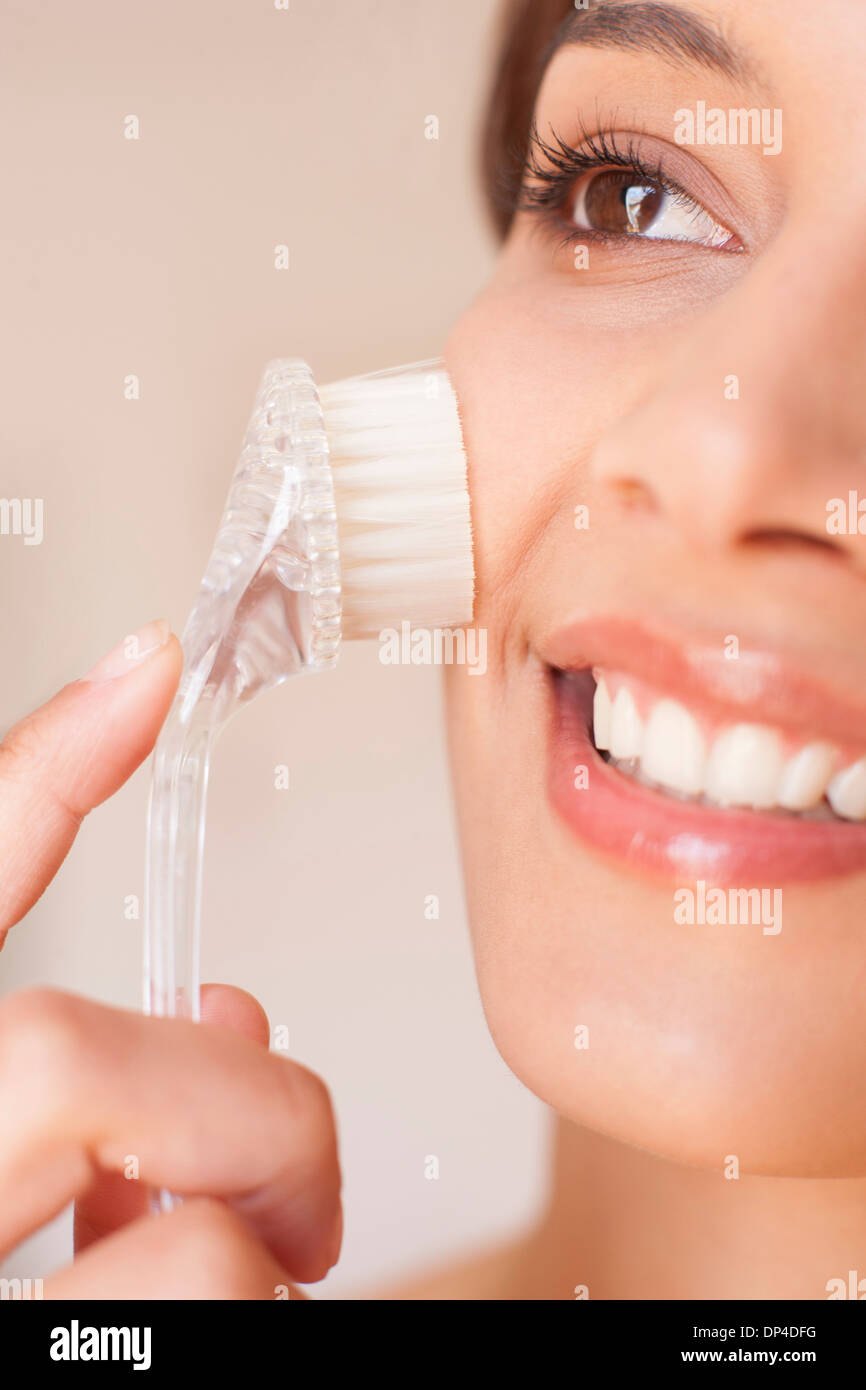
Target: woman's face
664	390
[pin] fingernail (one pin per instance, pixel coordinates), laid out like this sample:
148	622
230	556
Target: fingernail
131	651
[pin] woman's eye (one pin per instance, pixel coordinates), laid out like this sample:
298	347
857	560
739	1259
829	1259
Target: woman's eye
623	202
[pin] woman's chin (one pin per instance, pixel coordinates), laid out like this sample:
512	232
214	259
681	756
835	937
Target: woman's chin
779	1095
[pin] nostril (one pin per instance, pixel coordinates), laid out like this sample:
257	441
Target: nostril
781	539
634	494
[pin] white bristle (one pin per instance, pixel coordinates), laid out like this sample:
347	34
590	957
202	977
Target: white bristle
402	500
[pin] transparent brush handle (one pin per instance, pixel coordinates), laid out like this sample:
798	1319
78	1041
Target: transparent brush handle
268	608
178	798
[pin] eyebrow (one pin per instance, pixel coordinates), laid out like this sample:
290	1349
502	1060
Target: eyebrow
651	26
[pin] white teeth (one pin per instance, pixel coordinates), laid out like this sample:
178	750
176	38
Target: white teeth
674	752
601	716
847	791
805	777
626	729
745	767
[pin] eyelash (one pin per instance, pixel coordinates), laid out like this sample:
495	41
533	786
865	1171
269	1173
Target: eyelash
553	166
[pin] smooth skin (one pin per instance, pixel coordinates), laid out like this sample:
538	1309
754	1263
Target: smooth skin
206	1110
600	386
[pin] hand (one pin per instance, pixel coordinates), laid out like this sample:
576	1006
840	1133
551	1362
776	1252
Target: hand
100	1104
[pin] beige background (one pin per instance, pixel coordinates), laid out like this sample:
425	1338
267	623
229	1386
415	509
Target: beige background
155	257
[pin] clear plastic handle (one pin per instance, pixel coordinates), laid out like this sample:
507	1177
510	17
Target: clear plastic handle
268	608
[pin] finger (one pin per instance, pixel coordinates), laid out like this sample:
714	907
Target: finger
113	1200
68	756
193	1109
203	1250
235	1009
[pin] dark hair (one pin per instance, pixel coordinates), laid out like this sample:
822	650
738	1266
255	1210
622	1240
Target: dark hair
527	29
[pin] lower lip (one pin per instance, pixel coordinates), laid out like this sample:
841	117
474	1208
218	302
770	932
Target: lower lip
674	839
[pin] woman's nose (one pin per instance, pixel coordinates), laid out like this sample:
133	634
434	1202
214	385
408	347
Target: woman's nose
758	429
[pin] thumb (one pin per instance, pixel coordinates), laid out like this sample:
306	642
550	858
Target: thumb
235	1009
72	753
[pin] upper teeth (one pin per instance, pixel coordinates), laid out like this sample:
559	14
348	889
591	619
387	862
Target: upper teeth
742	765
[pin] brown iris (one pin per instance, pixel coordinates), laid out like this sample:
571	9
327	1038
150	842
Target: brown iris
615	201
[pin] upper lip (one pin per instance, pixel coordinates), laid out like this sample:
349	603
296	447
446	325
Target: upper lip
759	685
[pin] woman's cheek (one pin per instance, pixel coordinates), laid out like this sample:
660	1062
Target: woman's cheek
540	381
563	942
608	1012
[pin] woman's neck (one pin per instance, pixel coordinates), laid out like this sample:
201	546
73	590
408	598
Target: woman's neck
623	1224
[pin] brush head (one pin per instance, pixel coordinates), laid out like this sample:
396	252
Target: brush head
403	519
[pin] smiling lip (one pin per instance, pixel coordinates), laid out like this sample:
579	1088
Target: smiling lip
657	833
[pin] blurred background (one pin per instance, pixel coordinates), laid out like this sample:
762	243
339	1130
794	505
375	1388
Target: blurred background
303	126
